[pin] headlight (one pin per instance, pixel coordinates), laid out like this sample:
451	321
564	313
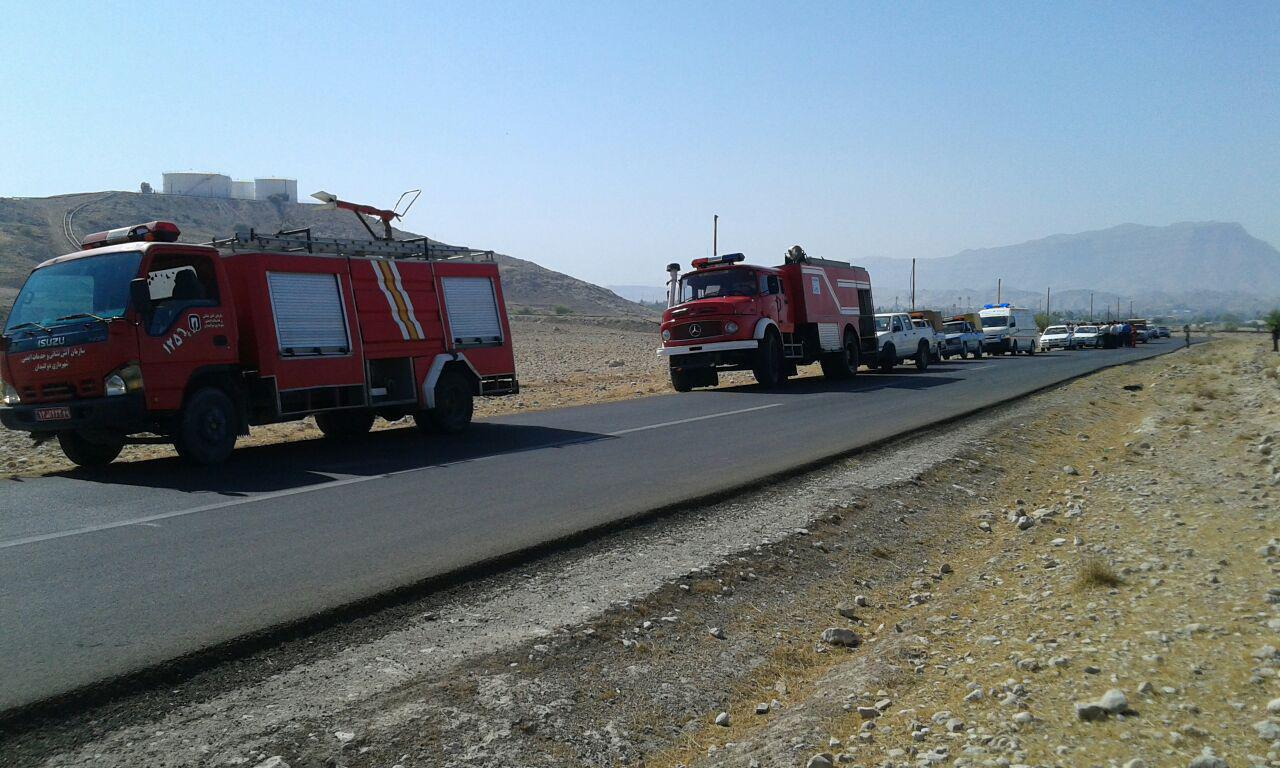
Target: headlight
123	381
730	327
666	335
10	395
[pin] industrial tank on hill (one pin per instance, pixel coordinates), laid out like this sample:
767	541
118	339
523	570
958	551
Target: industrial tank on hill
264	189
197	184
242	190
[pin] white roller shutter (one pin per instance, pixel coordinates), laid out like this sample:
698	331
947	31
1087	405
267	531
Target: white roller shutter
308	313
473	310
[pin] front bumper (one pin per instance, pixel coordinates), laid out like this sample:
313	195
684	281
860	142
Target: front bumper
715	346
122	413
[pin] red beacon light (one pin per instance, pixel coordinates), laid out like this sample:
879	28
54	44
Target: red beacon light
710	261
151	232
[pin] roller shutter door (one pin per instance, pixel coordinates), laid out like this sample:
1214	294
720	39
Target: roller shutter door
473	310
308	313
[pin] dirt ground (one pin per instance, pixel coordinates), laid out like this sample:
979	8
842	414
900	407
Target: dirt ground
1118	532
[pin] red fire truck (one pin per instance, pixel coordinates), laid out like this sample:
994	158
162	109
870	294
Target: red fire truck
138	334
726	315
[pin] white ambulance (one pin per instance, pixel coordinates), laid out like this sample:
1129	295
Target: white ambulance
1008	329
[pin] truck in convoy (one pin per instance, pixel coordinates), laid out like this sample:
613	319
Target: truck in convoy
137	334
725	315
899	339
1009	329
933	322
963	336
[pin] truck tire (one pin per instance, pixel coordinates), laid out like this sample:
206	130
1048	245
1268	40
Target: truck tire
89	453
1012	349
454	406
206	429
843	364
888	358
351	423
681	381
1031	349
922	356
769	361
977	352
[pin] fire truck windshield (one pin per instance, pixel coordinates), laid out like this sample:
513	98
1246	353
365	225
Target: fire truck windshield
718	282
86	287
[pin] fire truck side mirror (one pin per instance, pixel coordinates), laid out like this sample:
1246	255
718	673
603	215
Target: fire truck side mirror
140	297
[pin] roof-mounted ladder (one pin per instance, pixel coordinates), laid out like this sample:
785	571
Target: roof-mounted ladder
301	241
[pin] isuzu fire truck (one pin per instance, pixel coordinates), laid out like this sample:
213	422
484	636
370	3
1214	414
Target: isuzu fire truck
726	315
138	334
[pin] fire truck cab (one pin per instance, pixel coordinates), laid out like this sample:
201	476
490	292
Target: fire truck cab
727	315
138	334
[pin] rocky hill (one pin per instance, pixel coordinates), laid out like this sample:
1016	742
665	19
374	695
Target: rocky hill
1199	264
35	229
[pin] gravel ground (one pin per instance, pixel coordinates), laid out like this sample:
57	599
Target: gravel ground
560	361
961	598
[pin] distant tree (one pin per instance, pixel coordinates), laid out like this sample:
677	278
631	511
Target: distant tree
1272	320
561	309
1044	320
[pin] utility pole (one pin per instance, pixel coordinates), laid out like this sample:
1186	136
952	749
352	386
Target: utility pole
913	285
715	233
998	290
1091	306
1130	307
1046	300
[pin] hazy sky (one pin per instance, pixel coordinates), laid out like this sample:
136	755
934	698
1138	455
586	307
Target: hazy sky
599	138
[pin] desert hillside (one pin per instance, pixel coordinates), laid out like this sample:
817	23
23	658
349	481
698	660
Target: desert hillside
35	229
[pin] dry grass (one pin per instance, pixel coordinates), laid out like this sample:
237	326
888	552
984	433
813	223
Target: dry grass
1095	573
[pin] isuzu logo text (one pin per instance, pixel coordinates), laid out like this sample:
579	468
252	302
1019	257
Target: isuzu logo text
51	341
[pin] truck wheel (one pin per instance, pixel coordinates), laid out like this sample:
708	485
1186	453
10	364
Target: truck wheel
1031	349
454	406
1012	349
345	423
206	432
922	356
681	381
888	358
769	361
89	453
843	364
977	352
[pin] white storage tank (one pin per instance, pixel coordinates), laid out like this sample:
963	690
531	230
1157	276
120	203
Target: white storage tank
263	189
197	184
242	190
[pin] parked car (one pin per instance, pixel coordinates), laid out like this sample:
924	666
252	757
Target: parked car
1163	330
961	338
899	339
935	338
1057	337
1088	337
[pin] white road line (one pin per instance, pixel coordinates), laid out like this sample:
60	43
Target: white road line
150	520
694	418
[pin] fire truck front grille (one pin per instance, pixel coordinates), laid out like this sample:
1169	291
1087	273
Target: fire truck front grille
700	330
59	390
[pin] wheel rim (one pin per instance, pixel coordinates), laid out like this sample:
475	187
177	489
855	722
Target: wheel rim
213	427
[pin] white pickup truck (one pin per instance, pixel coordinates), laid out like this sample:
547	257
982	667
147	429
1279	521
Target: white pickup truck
899	339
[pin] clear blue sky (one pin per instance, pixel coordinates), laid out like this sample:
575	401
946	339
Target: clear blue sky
599	138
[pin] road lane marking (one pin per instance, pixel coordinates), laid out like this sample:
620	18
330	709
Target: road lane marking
691	419
151	520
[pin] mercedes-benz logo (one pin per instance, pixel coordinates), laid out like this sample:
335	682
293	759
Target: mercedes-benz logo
695	330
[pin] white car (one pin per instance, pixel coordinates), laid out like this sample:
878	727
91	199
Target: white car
1087	336
1057	337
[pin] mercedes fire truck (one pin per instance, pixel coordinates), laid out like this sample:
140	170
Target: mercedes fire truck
726	315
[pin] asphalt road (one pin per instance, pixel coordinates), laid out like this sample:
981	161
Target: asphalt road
110	571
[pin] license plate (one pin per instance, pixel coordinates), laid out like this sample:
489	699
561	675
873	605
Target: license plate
53	414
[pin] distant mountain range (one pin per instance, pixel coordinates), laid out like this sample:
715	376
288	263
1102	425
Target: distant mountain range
1193	267
1196	265
35	229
